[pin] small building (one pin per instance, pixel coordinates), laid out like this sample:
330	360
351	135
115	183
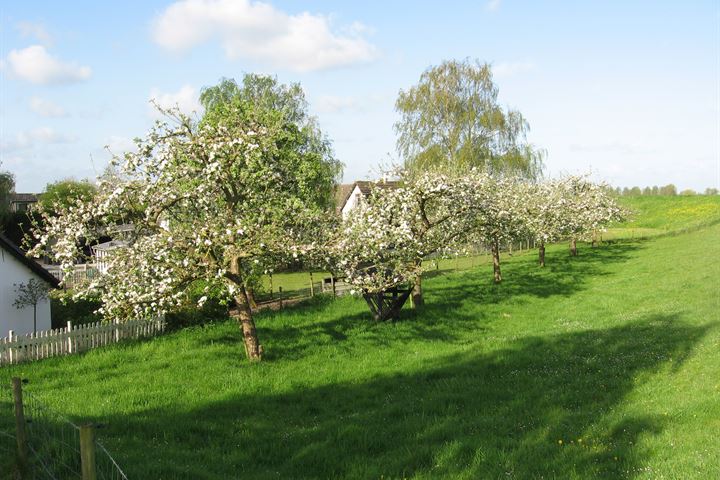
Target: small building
354	194
102	251
21	202
16	268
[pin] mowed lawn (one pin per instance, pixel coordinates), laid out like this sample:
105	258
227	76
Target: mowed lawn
601	366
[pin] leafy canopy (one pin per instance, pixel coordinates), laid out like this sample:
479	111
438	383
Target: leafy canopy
298	138
452	120
64	193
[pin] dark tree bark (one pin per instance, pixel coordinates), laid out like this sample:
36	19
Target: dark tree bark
252	345
573	247
253	349
251	298
417	293
542	254
495	247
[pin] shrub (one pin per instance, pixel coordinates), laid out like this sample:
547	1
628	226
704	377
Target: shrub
79	312
195	312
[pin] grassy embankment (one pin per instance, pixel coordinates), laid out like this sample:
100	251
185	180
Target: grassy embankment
600	366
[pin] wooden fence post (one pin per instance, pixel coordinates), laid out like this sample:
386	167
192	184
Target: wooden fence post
87	452
280	296
116	331
271	287
332	281
312	287
69	339
20	433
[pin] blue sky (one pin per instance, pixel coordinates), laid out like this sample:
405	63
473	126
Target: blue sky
629	91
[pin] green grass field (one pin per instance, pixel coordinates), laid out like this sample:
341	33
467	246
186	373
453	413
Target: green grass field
600	366
652	216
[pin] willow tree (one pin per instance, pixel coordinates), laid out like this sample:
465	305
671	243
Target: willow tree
451	120
207	202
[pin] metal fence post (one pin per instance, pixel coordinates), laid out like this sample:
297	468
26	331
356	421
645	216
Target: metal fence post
312	287
20	433
87	452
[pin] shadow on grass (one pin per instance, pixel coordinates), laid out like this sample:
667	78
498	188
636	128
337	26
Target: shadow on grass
453	303
545	407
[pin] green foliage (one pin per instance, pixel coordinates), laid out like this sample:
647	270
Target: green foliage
452	120
65	193
262	99
204	303
7	187
588	369
80	312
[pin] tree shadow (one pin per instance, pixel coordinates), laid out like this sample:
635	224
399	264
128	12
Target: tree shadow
544	407
443	317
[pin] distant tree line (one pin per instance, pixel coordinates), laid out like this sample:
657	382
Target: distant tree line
667	190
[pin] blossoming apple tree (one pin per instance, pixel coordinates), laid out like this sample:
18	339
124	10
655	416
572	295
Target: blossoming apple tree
381	245
205	202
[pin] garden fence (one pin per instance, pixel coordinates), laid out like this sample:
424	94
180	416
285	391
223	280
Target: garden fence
49	446
73	339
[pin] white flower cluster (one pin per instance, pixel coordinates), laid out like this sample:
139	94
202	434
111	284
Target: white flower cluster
383	243
210	202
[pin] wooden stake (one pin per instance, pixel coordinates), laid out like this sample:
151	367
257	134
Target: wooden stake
312	287
20	434
280	296
87	452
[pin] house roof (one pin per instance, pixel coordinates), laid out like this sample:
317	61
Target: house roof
36	268
365	187
23	197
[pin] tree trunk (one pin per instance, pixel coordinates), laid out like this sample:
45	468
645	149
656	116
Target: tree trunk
35	318
253	349
417	293
542	254
495	247
573	247
251	298
252	345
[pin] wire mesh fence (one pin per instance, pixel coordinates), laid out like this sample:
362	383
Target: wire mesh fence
57	448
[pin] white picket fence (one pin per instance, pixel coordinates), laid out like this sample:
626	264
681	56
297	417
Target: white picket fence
73	339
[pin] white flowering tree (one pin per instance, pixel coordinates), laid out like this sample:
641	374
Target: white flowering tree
498	212
381	245
549	208
586	208
205	203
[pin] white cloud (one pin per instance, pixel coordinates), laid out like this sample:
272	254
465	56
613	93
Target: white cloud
35	137
187	99
34	64
336	104
258	31
46	108
493	5
36	31
508	69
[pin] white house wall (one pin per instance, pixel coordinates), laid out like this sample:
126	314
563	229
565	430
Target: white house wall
353	200
20	321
